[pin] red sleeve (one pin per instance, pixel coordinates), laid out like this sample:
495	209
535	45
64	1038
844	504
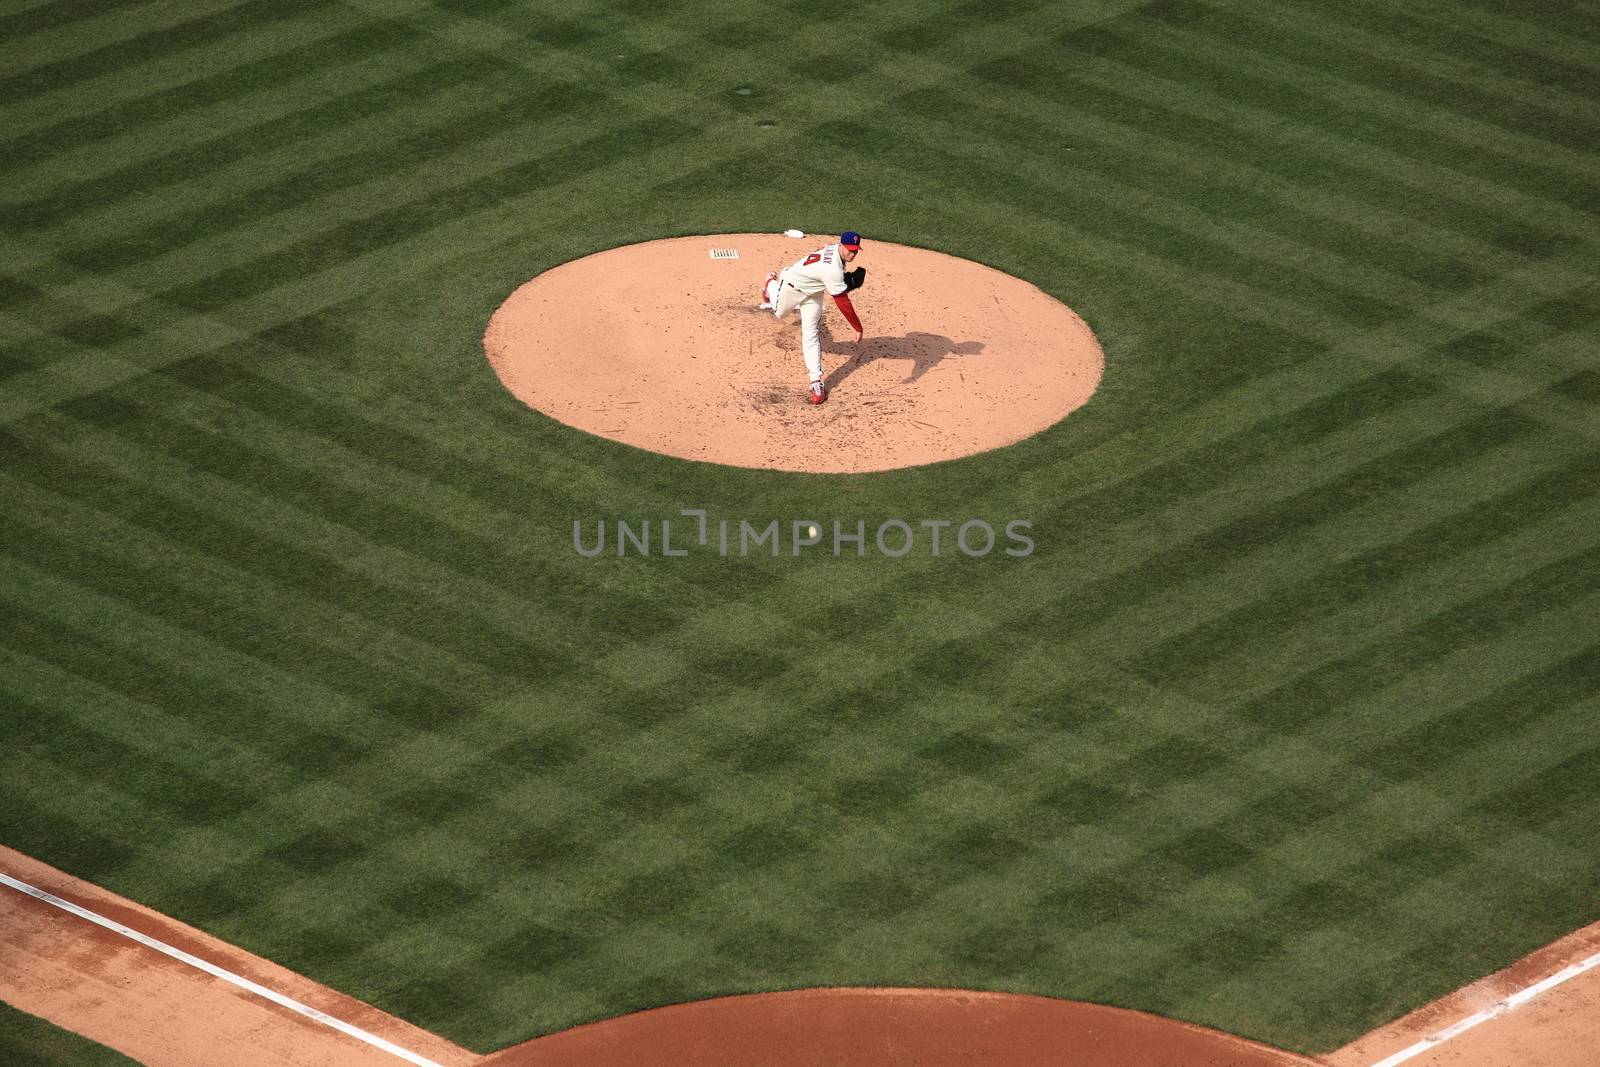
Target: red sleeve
843	300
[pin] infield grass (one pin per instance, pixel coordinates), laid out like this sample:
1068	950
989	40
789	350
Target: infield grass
28	1039
1288	726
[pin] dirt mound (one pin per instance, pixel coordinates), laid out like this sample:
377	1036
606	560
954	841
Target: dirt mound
660	345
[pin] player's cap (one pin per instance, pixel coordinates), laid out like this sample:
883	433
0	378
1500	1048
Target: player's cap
850	239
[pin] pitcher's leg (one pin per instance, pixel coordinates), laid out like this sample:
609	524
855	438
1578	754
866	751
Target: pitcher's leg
811	336
787	298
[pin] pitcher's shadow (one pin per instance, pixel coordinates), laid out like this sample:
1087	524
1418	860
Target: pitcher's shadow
922	350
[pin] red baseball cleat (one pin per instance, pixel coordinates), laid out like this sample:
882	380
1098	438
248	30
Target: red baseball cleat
818	394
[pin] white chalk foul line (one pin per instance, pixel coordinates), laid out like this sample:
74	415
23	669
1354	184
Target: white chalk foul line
217	972
1520	997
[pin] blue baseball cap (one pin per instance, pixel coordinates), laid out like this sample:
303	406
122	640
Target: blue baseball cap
850	239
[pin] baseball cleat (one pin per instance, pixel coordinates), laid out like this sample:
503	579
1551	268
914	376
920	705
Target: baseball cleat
818	393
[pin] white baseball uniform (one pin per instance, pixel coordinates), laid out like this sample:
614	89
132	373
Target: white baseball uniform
804	284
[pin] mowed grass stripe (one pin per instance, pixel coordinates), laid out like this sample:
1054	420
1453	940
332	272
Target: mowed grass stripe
1173	885
80	434
447	107
124	112
1346	361
1561	36
561	89
1504	663
233	679
1114	154
357	240
68	814
1308	665
1454	830
274	820
1216	126
473	618
338	82
27	20
90	29
1323	154
1259	189
212	709
1219	519
382	150
1307	447
259	609
1215	752
1335	609
1554	59
1361	669
1294	763
1370	351
1346	520
619	924
190	778
1404	883
390	154
173	659
1518	100
240	737
148	45
1043	114
1548	342
1197	283
1296	88
688	104
301	242
342	511
1183	227
1555	796
1299	456
203	425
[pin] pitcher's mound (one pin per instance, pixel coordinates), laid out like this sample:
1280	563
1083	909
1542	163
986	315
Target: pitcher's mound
660	345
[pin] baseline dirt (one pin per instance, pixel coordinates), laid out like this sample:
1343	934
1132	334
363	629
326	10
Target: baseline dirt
1559	1028
660	346
161	1012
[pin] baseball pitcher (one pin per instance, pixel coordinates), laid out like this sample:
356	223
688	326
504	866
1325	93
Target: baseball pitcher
803	284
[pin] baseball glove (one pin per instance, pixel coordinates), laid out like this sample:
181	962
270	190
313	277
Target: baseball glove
855	279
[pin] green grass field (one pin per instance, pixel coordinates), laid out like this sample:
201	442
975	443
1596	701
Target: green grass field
1291	723
35	1043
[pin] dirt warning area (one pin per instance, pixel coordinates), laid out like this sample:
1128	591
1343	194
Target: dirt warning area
661	345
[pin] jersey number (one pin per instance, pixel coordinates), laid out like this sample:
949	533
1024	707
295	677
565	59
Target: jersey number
812	258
